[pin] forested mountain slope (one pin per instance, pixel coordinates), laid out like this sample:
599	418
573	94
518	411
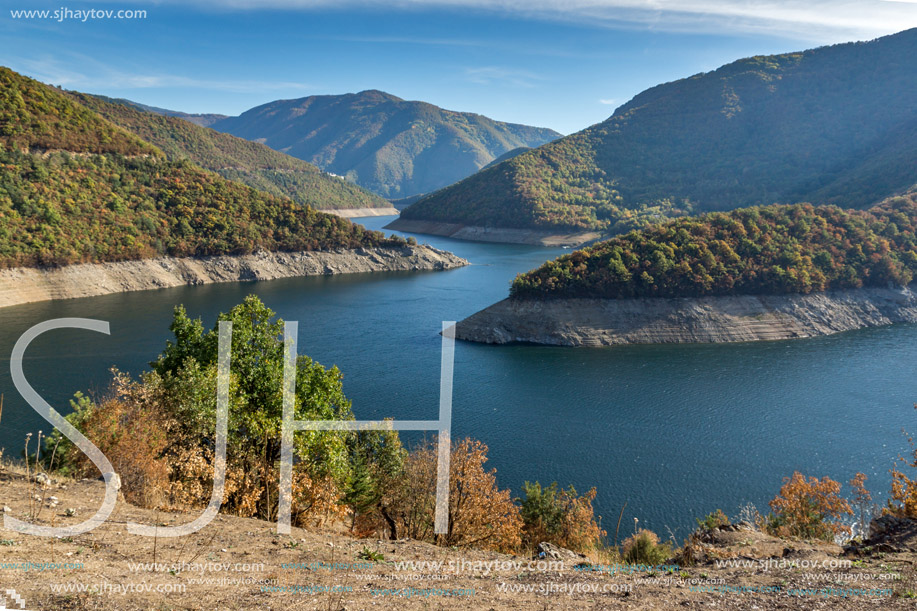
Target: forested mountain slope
833	125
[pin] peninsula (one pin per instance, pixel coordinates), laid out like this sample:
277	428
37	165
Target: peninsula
762	273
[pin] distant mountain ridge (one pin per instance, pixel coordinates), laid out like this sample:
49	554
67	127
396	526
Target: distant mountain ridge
833	125
234	158
202	119
393	147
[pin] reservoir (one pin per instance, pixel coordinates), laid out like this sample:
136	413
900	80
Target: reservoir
674	431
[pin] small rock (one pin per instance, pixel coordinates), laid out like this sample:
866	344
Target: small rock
7	509
70	512
42	479
554	552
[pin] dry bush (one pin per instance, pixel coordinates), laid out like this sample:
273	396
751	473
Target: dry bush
248	492
862	503
480	514
162	466
133	432
809	509
903	501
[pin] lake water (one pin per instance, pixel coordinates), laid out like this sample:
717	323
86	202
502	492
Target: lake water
673	431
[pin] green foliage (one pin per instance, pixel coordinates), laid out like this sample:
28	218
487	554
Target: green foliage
125	202
188	367
391	146
644	548
712	521
35	116
559	516
250	163
82	407
759	250
370	555
541	511
377	465
834	125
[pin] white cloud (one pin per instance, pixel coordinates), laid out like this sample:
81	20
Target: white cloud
608	102
815	20
100	76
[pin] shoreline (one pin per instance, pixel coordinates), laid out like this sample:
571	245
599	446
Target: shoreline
499	235
741	318
22	285
355	213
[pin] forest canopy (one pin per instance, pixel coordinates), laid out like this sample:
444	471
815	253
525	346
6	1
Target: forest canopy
834	125
760	250
75	188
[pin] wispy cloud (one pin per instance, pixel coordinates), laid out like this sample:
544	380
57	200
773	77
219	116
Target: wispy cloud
94	75
817	20
495	75
608	102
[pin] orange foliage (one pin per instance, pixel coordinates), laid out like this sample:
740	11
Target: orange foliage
480	514
806	509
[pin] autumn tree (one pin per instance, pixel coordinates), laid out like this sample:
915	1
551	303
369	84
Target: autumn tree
809	509
903	501
480	514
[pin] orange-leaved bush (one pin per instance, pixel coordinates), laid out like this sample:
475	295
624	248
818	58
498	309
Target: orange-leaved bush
809	509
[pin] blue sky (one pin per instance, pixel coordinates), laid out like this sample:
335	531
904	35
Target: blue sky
564	64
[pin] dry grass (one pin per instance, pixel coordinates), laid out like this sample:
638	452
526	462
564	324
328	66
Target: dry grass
105	555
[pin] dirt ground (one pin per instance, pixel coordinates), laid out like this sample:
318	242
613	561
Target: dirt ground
239	563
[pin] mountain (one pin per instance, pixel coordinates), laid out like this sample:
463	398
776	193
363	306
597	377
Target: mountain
234	158
76	188
204	119
833	125
390	146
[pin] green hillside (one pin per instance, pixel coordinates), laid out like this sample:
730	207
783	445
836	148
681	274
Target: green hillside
834	125
773	249
37	116
248	162
76	188
390	146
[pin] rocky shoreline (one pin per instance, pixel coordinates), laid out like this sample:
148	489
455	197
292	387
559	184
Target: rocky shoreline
26	284
493	234
605	322
355	213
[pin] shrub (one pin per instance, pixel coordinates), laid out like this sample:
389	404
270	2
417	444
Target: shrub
188	371
159	432
377	461
903	501
713	520
370	555
132	430
560	517
808	509
480	514
643	547
862	503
